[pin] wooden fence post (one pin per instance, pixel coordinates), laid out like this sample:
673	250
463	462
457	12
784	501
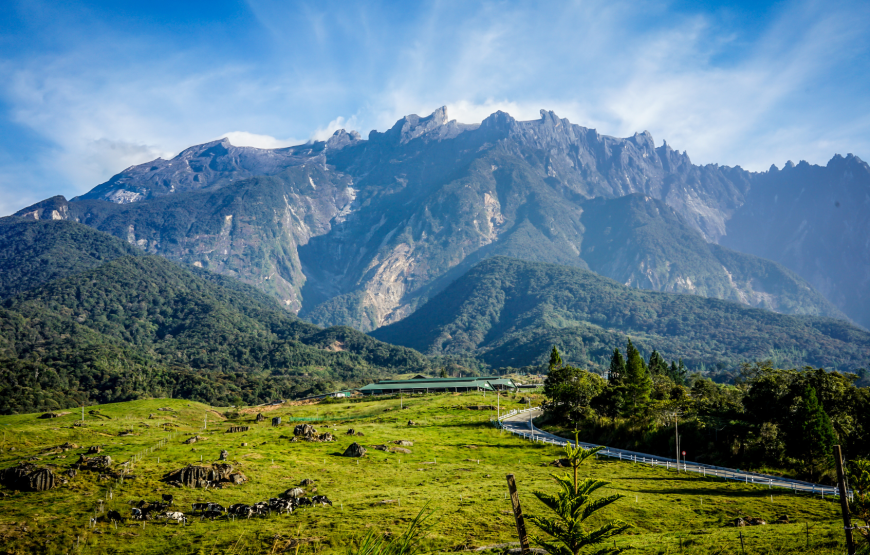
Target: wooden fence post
518	514
844	501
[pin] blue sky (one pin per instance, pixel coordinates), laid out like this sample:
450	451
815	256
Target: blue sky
90	88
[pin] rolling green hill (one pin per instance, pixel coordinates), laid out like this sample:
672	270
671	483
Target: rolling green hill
510	312
34	252
144	326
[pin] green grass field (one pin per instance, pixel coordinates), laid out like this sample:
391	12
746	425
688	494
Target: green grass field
457	468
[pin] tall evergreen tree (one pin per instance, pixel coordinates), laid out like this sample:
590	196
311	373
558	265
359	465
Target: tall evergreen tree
677	372
617	368
555	359
812	438
637	381
657	365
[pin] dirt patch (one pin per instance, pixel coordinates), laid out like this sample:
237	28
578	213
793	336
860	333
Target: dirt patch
337	346
252	456
216	413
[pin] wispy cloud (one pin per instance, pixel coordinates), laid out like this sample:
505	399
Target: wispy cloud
97	94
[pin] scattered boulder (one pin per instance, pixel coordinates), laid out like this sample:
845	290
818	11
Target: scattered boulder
324	437
192	439
94	450
354	450
480	407
235	429
260	417
304	430
400	450
350	432
69	445
276	421
244	444
306	482
204	476
100	462
524	400
411	423
380	447
72	472
561	463
224	455
28	477
167	409
404	443
783	519
49	415
152	416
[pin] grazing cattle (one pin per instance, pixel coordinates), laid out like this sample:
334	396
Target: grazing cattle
303	501
174	515
137	514
211	515
215	507
321	500
168	498
240	509
199	507
114	516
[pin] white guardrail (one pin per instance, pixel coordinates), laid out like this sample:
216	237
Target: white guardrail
539	436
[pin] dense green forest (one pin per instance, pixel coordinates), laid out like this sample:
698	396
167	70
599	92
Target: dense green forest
140	326
770	418
508	312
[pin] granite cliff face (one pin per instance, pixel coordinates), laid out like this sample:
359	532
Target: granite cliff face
361	232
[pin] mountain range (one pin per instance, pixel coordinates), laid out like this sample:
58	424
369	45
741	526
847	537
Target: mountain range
363	232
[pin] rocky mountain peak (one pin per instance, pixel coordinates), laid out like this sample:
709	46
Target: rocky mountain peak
341	139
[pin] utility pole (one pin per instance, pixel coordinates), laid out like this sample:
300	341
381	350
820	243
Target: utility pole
677	439
844	501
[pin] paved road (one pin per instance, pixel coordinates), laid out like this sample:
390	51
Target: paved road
520	423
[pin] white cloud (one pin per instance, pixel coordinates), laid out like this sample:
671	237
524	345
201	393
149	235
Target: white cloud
323	133
243	138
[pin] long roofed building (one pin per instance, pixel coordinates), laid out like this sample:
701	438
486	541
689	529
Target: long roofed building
422	384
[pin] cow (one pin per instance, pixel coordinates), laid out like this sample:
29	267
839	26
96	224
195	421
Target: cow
321	500
215	507
199	507
137	514
210	514
114	516
174	515
168	498
303	501
240	509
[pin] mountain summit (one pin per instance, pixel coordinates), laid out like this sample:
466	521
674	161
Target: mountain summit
361	232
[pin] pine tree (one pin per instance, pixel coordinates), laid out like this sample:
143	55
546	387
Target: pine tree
813	438
572	505
657	365
617	368
677	372
555	359
637	381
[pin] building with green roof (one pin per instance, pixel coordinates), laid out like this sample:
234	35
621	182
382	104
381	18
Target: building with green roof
420	384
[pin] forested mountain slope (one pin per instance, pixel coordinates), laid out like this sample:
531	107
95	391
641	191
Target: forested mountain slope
511	312
142	325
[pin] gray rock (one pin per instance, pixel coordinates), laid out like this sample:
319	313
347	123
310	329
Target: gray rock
354	450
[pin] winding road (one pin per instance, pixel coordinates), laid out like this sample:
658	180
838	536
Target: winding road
520	423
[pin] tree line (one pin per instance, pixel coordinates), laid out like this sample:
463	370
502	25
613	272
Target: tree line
784	420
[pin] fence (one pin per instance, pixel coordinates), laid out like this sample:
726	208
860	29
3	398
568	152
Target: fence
539	436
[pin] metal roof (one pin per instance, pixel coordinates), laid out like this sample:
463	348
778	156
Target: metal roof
416	380
416	385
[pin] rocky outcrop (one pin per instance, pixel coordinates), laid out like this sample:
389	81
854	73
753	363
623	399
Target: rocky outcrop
28	477
361	232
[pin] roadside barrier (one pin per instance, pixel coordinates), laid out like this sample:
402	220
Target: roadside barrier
539	436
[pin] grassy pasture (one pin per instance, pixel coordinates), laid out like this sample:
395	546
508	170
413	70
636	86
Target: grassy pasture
442	472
